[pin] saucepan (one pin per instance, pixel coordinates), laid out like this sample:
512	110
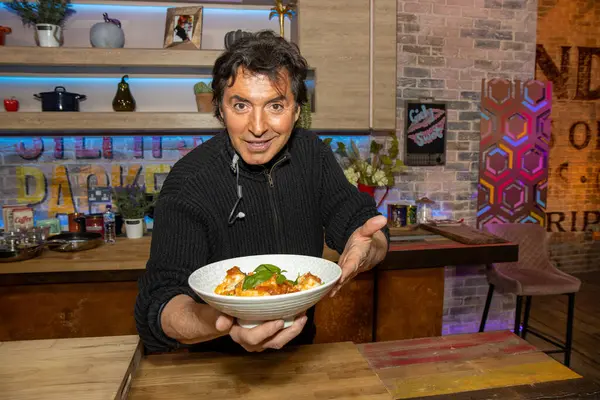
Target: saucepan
60	100
74	241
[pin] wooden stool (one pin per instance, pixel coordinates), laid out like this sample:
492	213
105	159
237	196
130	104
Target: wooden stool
533	275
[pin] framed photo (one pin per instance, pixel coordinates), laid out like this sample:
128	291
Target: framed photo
183	29
425	130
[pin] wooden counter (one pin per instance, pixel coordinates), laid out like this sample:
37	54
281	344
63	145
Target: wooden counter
93	293
420	249
125	254
86	368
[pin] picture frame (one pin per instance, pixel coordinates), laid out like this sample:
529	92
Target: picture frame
425	128
183	28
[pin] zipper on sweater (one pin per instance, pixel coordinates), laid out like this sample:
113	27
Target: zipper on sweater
276	219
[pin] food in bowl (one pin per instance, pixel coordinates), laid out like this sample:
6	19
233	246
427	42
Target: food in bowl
265	280
252	310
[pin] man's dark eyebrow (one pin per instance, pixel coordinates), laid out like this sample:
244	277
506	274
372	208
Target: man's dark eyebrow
240	98
278	98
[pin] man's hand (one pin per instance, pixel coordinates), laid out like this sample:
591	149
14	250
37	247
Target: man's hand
189	322
366	247
269	335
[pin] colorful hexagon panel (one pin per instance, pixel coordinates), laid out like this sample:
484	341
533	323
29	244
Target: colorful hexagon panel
513	165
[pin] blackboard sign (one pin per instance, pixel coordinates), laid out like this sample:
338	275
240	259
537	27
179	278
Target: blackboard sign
425	133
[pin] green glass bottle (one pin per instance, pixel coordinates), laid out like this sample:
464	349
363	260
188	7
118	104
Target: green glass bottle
123	100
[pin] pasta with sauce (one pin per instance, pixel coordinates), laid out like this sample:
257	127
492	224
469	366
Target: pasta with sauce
265	280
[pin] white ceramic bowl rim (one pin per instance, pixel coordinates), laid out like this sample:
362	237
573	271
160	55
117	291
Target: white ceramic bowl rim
258	299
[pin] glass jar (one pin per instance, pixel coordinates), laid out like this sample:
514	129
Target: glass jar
423	213
424	210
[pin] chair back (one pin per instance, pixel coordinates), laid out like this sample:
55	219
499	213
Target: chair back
532	240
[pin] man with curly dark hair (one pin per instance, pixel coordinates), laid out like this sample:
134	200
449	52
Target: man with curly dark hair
294	197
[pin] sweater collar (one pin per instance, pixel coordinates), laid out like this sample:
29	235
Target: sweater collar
229	151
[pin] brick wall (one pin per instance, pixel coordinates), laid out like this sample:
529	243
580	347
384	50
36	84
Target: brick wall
568	38
53	174
445	49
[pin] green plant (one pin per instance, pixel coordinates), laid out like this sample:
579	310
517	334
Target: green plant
202	87
53	12
377	169
131	201
305	118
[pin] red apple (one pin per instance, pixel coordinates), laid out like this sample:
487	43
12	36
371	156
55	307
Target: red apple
11	104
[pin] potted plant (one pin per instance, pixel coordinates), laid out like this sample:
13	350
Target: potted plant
377	170
204	97
133	204
46	16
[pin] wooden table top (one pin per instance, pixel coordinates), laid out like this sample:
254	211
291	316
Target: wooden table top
492	362
83	368
476	366
418	249
320	371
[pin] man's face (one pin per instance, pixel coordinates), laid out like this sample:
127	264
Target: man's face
259	115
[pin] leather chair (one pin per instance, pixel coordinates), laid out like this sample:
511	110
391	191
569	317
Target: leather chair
533	275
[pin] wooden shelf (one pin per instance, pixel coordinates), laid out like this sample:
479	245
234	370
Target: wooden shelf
82	60
68	123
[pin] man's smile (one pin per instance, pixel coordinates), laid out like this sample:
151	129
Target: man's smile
259	145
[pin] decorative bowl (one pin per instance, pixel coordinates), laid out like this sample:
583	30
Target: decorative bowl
251	311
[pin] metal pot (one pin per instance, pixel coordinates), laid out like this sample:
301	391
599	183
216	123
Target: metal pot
60	100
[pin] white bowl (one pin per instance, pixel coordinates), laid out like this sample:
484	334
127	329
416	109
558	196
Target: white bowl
251	311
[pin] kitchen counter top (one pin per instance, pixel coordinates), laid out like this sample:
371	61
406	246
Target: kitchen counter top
84	368
413	249
125	254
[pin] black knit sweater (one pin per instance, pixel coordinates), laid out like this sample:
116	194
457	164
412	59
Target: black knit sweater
287	211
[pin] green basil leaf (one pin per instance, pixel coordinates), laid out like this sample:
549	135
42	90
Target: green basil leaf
251	281
281	279
268	267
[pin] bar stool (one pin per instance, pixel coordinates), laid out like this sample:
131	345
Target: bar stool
533	275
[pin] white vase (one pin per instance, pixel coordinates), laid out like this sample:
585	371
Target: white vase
134	228
48	35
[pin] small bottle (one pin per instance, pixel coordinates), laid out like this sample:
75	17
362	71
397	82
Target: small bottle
109	225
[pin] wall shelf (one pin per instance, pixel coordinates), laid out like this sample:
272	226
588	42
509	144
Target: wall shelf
81	60
63	123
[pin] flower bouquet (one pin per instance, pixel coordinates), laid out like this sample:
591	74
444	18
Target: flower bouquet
377	170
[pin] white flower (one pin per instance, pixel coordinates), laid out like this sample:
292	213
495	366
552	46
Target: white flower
352	176
380	178
369	170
